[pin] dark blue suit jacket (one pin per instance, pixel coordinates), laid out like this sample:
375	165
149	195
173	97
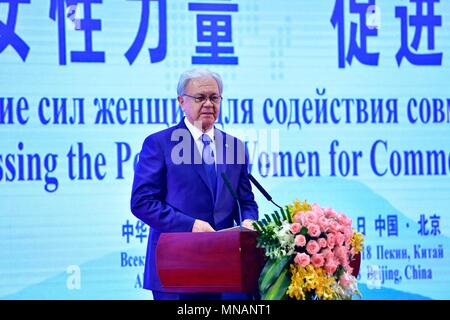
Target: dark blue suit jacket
169	196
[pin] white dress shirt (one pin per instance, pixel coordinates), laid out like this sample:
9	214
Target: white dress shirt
197	135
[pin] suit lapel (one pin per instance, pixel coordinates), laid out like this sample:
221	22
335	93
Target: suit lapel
221	151
196	161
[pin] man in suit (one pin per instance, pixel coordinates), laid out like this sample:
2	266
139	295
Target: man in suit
177	182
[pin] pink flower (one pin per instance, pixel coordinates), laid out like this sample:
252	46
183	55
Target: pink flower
334	226
329	257
338	251
317	260
295	228
347	247
323	223
312	247
348	234
331	240
317	209
330	267
310	217
339	239
313	230
343	219
298	217
300	240
341	254
348	269
344	261
330	213
322	242
325	252
345	280
302	259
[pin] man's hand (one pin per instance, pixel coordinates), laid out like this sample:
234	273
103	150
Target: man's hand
202	226
248	223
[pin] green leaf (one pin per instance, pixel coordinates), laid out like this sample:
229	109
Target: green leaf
278	290
267	217
260	225
277	221
288	213
278	215
283	214
256	226
339	271
271	272
304	231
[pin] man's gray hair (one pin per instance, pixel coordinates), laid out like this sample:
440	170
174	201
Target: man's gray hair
188	75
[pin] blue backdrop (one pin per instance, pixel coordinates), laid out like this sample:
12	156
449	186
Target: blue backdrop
341	102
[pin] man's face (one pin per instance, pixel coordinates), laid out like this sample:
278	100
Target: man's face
201	114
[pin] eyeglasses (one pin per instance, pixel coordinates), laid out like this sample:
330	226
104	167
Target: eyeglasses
202	99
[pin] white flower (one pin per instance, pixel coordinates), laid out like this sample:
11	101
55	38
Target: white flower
286	240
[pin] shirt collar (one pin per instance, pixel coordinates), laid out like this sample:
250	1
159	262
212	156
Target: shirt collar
196	132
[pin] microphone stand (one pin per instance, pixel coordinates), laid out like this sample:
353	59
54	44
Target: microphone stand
262	190
235	197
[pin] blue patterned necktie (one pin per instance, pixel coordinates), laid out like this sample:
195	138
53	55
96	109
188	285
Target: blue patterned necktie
208	162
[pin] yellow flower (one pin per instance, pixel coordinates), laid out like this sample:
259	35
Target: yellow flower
310	280
297	287
357	241
324	288
298	206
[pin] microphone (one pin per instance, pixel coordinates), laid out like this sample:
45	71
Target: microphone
262	190
234	195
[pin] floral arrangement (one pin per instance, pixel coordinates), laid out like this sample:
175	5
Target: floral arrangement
309	250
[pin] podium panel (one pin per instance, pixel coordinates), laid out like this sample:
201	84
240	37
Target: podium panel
226	261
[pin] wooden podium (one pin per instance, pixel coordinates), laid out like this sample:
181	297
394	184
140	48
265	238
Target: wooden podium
224	261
